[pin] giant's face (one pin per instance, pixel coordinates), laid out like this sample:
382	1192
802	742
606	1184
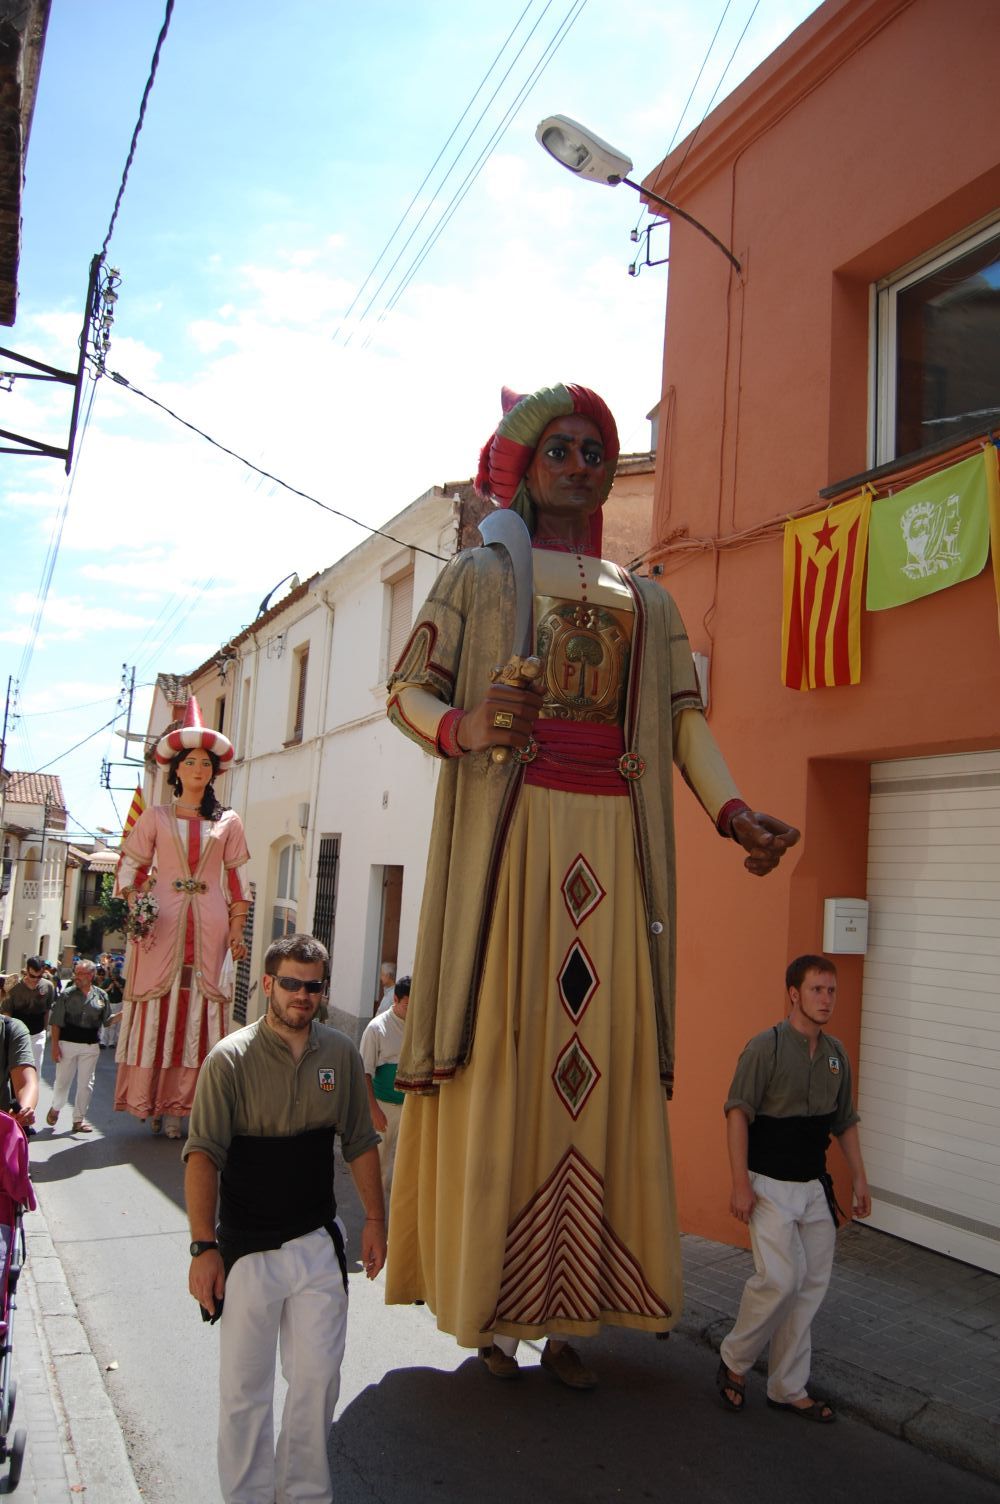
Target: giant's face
566	477
195	771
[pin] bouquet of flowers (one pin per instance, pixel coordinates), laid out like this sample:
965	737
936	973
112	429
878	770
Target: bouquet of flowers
142	912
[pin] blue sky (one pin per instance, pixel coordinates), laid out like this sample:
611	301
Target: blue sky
280	148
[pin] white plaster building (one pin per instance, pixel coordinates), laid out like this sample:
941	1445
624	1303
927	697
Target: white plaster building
35	847
335	803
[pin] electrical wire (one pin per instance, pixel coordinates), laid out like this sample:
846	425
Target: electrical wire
455	160
708	108
139	124
403	217
447	214
687	103
76	745
55	541
267	474
33	715
185	605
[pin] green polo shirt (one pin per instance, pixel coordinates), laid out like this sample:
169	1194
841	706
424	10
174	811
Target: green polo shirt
76	1011
15	1049
776	1076
250	1085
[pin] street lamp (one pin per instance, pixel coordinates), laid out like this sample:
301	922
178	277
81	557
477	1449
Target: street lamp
265	604
588	156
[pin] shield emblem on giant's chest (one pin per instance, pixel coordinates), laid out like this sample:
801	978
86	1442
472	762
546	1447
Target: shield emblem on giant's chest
585	651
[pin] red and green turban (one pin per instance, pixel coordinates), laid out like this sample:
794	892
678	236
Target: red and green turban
506	455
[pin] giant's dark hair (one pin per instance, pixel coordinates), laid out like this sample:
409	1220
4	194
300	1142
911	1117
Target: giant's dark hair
210	808
795	974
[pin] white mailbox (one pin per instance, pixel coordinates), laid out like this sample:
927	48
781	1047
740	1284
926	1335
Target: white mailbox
845	926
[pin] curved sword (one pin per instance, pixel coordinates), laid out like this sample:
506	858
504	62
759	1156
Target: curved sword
506	530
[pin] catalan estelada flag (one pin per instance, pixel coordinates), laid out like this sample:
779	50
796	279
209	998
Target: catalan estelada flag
135	809
823	577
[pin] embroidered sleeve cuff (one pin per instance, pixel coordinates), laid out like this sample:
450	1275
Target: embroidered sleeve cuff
726	815
447	734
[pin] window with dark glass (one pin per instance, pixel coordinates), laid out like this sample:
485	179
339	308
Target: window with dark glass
939	348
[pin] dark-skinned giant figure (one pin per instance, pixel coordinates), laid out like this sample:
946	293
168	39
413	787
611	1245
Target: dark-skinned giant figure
533	1193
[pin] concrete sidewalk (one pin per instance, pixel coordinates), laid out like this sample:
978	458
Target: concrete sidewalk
907	1339
75	1445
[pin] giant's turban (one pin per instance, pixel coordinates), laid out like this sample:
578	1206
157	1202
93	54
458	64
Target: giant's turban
508	452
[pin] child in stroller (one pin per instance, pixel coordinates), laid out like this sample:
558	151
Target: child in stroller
16	1196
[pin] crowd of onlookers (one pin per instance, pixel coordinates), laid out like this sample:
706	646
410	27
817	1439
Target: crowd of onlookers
41	1003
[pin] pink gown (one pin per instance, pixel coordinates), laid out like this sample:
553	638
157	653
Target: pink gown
177	992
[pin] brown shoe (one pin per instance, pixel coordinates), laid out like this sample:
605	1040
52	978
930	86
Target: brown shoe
567	1366
82	1126
52	1116
499	1363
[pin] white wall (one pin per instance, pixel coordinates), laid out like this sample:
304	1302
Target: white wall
375	788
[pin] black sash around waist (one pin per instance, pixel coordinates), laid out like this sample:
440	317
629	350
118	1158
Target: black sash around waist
793	1149
275	1189
789	1148
77	1034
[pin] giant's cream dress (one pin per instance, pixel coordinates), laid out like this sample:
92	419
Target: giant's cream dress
533	1193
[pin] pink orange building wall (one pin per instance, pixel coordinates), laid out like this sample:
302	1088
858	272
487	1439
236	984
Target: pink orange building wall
861	143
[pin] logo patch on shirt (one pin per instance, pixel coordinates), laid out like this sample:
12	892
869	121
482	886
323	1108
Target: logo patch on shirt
834	1063
327	1079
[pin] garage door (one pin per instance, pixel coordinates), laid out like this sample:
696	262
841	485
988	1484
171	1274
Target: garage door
929	1079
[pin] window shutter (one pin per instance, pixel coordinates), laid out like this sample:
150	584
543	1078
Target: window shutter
400	618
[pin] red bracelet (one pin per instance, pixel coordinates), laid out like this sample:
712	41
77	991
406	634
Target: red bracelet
727	814
447	734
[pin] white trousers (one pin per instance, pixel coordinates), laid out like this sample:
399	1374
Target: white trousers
38	1045
792	1234
79	1060
387	1145
293	1295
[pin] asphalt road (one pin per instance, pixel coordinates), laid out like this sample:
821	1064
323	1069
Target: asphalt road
420	1419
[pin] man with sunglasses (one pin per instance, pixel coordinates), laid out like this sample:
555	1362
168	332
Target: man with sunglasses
265	1234
30	1000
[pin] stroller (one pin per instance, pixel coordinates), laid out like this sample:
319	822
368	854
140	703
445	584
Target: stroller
16	1196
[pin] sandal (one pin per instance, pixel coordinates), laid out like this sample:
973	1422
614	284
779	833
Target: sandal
818	1409
732	1392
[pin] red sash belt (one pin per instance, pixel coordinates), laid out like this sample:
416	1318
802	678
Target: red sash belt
578	757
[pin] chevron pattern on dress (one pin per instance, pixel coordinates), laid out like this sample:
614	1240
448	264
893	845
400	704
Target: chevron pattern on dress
562	1259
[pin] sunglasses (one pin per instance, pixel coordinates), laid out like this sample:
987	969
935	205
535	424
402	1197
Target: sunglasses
292	984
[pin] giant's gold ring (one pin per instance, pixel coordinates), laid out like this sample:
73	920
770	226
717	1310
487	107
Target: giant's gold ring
503	720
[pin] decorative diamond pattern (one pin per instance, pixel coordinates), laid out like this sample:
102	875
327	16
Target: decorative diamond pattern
581	891
577	981
575	1077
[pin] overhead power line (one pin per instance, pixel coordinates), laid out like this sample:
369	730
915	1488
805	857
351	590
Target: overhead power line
138	124
454	162
267	474
447	214
687	103
427	176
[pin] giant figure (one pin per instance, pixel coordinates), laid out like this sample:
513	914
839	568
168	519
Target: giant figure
533	1193
178	985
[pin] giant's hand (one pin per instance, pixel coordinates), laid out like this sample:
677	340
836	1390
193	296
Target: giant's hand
764	838
516	709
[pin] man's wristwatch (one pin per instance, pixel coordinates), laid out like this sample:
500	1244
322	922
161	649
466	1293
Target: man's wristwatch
199	1248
